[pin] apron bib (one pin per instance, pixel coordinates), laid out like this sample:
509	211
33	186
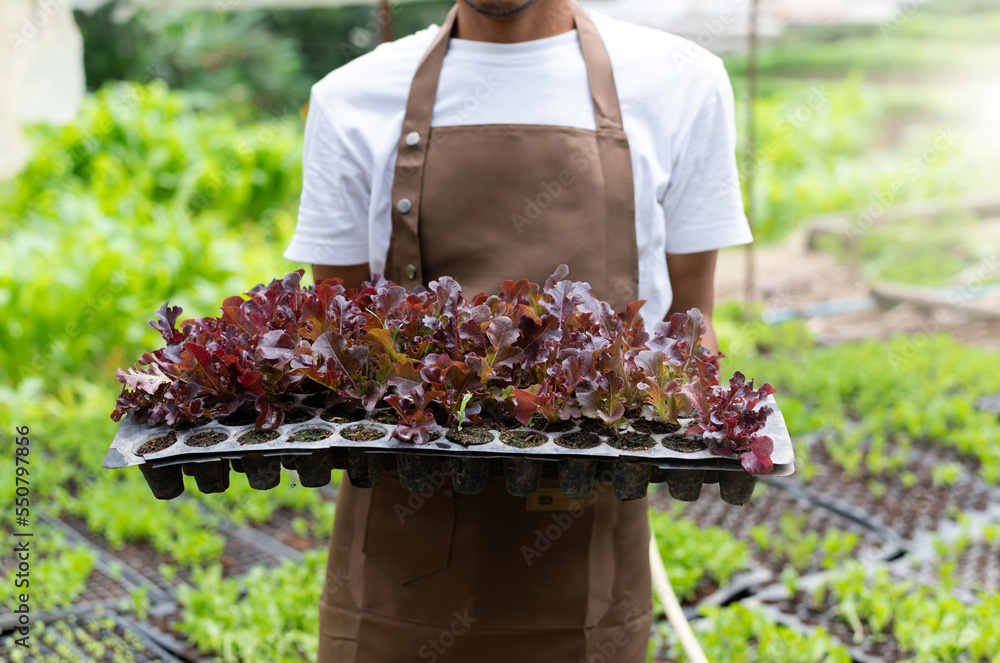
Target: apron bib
441	576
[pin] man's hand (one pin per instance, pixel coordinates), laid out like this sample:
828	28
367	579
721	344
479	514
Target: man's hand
692	278
352	275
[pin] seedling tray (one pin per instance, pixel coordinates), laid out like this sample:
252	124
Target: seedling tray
316	440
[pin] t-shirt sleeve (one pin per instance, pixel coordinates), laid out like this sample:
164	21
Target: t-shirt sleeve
703	204
332	224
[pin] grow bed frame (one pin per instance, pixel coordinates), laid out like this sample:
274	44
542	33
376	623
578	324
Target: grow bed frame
538	454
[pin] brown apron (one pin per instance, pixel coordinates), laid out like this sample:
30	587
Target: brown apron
440	576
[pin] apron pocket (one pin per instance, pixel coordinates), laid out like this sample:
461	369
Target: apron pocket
408	534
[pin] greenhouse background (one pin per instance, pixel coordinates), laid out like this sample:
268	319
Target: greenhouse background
151	151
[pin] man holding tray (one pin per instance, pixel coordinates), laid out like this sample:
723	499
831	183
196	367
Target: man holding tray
519	135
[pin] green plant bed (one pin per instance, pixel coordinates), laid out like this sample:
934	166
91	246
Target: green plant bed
737	634
267	615
908	488
97	638
891	618
60	571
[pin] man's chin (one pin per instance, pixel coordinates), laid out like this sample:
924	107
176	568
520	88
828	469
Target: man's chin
499	7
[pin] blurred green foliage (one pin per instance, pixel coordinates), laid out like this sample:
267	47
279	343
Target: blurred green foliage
139	149
817	151
857	119
954	249
142	199
267	615
270	57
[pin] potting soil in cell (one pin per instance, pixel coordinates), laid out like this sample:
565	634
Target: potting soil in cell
522	439
310	435
578	440
158	443
255	436
207	438
683	443
632	442
361	433
384	417
470	435
342	415
540	424
652	427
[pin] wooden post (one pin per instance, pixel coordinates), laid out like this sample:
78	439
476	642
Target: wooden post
750	166
385	18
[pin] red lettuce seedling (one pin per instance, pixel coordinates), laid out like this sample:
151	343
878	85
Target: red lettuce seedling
730	420
440	359
412	403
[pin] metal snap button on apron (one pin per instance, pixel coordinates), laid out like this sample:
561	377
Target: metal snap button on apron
411	272
413	139
404	206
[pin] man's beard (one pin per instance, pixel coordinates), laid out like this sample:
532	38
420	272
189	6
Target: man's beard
499	7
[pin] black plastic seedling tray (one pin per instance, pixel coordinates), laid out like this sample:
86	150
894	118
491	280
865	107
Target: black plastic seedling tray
314	441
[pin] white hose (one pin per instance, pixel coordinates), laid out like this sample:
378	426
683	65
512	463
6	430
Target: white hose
675	615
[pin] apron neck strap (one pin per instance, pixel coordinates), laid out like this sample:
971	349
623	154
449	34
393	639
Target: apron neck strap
423	90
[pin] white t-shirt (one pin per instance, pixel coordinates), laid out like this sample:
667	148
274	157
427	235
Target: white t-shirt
677	109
